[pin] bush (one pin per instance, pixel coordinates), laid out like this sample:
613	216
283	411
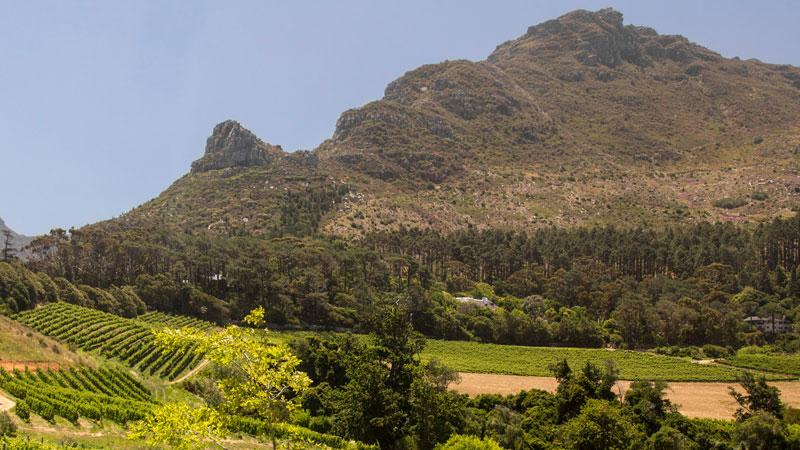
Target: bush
23	411
759	196
730	203
459	442
715	351
7	426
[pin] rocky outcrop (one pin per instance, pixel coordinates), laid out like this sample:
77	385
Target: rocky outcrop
232	145
599	38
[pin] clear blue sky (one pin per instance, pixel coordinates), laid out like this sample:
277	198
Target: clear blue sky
104	103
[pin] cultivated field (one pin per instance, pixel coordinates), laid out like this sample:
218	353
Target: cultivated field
22	347
476	357
129	340
784	364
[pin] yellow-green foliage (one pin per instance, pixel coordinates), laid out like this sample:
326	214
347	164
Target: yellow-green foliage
256	378
459	442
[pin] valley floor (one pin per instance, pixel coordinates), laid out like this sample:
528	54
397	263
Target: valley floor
708	400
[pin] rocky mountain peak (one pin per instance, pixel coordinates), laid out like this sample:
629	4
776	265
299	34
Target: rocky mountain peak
600	38
232	145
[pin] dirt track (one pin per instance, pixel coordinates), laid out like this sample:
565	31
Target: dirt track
5	403
700	399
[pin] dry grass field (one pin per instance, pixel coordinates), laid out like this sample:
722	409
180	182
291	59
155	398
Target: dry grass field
695	399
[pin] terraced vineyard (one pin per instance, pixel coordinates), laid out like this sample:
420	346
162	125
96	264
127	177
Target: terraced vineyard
129	340
90	393
159	318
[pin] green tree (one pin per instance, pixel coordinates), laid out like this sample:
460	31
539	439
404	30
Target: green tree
758	397
600	425
256	378
761	431
648	403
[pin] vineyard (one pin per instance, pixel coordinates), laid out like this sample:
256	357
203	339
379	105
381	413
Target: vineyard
518	360
775	363
477	357
159	318
129	340
90	393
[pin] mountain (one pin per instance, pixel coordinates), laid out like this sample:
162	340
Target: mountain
18	241
581	120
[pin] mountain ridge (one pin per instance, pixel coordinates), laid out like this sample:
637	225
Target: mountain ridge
581	120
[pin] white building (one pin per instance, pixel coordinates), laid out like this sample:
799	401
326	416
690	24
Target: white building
770	325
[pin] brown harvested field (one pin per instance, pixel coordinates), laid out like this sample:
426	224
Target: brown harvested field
695	399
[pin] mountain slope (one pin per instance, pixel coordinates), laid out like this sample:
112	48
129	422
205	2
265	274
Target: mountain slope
581	120
17	241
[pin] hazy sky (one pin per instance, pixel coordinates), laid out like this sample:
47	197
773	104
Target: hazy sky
104	103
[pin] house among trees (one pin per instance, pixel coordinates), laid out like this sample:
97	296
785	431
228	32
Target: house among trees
482	302
770	325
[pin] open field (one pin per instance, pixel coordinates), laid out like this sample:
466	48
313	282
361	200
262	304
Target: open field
695	399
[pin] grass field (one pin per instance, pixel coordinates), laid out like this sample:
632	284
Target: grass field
475	357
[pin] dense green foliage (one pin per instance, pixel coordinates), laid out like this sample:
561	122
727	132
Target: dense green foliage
129	340
92	393
21	289
585	412
685	286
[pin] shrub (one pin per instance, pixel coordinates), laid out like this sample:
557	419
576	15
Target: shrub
715	351
730	203
23	411
759	196
7	426
459	442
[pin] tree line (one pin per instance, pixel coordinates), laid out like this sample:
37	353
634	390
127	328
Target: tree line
638	287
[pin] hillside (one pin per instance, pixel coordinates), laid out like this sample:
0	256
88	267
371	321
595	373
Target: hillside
16	240
22	347
581	120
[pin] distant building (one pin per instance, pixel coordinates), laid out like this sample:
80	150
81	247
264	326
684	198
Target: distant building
770	325
482	302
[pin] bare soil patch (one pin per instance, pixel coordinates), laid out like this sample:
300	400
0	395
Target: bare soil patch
6	403
694	399
31	365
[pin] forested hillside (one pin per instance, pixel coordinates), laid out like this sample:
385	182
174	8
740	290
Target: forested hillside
638	287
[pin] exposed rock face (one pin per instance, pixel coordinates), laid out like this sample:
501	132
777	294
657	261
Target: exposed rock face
601	39
232	145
